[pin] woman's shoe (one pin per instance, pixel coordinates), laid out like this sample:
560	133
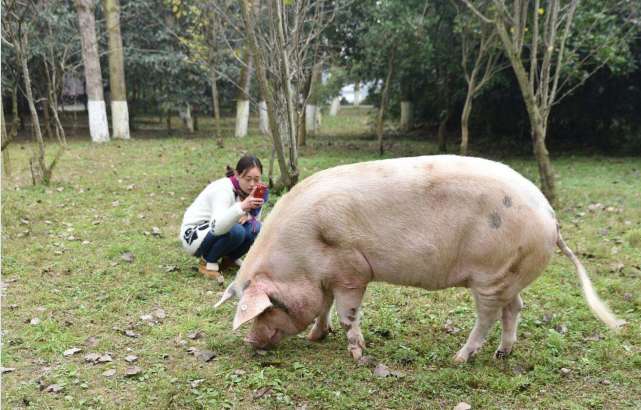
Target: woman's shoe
210	271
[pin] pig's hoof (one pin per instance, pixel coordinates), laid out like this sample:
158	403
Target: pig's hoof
463	356
460	358
501	354
317	333
356	351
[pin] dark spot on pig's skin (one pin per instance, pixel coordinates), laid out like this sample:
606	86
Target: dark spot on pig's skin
507	201
495	220
351	318
246	285
346	326
352	311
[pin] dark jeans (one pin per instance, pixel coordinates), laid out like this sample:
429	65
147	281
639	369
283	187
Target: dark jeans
233	244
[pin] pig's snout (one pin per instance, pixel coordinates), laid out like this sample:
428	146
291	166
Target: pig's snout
265	341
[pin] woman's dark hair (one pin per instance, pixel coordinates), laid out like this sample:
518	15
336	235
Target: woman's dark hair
244	163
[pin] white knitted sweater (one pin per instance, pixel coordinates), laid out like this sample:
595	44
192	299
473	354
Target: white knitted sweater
216	208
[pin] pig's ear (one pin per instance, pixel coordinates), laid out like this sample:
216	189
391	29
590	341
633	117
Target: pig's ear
253	303
230	292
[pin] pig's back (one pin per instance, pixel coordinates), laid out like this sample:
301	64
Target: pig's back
421	221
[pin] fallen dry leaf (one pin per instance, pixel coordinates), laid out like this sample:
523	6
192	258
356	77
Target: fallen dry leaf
131	333
127	257
92	357
196	383
130	358
155	231
133	371
35	321
449	328
4	370
159	314
105	358
381	370
72	351
205	355
462	406
109	373
54	388
367	361
196	334
261	392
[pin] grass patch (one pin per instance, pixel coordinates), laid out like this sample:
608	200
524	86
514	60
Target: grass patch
61	263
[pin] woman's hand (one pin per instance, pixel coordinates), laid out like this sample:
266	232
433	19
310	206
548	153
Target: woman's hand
243	219
251	202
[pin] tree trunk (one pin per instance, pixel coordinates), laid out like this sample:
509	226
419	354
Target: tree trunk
263	119
312	108
242	104
15	109
442	130
380	123
213	77
538	124
287	179
310	121
335	106
407	119
37	161
188	120
357	93
52	97
406	115
546	172
168	120
46	117
289	94
98	127
465	118
302	127
119	109
6	162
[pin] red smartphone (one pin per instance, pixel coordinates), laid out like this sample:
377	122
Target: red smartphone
259	192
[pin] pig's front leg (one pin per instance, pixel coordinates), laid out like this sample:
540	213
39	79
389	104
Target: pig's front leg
348	303
321	326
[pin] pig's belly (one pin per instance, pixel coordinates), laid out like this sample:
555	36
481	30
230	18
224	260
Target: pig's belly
427	268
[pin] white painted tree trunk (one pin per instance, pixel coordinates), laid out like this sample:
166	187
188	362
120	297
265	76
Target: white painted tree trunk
406	115
117	86
120	119
310	118
242	118
98	126
335	106
319	117
188	120
357	93
263	118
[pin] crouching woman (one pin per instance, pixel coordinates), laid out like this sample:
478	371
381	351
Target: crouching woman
221	224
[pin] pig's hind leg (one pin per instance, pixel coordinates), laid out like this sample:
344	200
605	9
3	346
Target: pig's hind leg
487	311
509	323
348	303
321	326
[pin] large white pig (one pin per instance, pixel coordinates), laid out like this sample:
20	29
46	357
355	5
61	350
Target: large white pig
432	222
